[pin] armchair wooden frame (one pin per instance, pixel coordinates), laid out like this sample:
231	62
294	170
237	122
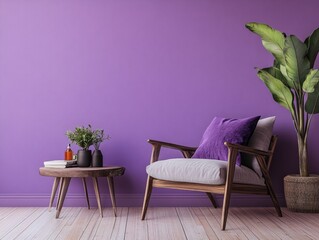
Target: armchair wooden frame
264	159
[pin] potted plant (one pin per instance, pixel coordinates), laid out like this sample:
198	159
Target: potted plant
84	138
293	83
98	138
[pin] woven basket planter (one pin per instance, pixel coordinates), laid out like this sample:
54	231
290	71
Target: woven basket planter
302	193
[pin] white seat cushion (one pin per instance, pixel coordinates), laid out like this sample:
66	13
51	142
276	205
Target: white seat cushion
205	171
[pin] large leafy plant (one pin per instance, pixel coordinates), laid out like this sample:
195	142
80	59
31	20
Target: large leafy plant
292	80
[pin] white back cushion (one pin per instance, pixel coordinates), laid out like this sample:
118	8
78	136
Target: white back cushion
260	140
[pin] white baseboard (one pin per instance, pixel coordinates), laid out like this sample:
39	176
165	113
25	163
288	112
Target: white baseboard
136	200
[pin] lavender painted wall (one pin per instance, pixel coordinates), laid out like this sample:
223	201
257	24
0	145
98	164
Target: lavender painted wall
138	69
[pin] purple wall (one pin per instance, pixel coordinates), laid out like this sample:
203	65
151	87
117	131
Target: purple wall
138	69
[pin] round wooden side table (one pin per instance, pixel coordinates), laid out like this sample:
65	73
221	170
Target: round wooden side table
65	175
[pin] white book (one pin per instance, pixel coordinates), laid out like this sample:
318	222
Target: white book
60	163
55	166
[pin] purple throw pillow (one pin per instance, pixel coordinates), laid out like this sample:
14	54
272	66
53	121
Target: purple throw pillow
223	130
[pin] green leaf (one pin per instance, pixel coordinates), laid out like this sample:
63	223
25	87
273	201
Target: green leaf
276	64
279	91
311	81
297	63
312	103
276	73
283	71
312	43
272	39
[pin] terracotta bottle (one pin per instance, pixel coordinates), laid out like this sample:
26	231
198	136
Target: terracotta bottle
68	155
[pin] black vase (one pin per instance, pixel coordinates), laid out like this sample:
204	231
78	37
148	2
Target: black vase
84	158
97	159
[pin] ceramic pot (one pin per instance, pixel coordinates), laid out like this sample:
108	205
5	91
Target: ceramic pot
84	158
302	193
97	158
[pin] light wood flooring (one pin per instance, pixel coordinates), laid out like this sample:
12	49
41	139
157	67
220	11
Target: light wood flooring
160	223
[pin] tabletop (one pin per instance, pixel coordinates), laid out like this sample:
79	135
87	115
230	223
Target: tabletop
108	171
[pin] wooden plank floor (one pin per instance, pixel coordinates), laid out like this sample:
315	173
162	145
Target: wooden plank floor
160	223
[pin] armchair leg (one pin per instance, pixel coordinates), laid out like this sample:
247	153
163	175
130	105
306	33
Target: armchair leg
211	198
269	186
275	201
147	196
225	210
229	181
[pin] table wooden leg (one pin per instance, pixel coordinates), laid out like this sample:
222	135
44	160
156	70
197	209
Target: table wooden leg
60	191
97	194
86	192
112	194
65	185
54	188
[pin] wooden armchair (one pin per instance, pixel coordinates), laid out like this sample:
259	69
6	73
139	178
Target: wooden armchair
264	159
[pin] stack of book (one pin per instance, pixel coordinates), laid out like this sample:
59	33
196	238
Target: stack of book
60	163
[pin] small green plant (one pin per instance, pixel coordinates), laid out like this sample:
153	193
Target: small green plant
82	136
98	137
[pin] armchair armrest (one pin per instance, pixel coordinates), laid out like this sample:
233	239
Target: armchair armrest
186	151
260	155
171	145
249	150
